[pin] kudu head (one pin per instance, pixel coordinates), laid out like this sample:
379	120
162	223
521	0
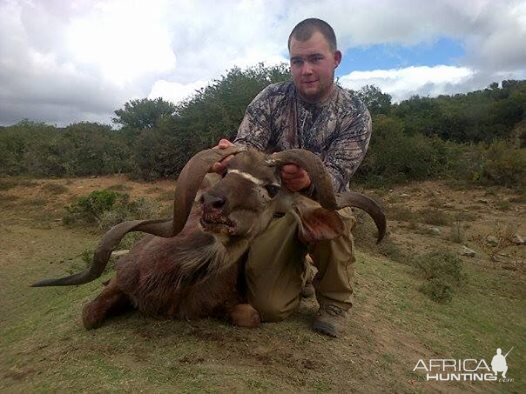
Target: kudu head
244	200
240	204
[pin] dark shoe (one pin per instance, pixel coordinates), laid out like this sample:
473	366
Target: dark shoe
331	320
308	290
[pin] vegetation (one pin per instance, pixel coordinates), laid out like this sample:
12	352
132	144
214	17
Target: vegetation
106	208
442	272
476	137
393	323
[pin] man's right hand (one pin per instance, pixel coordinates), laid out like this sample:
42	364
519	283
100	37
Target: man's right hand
220	166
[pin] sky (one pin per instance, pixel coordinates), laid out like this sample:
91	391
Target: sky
66	61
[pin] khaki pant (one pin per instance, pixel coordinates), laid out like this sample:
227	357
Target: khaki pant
275	268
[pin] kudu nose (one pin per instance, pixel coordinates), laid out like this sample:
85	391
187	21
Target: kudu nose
211	201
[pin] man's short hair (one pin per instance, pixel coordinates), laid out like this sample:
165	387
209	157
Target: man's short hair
306	28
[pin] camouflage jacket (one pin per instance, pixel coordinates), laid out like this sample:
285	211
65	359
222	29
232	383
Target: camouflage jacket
337	130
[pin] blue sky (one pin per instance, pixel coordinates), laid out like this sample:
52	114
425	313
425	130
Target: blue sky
442	51
65	61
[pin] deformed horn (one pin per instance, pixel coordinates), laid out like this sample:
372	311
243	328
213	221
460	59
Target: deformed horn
316	170
325	195
353	199
188	183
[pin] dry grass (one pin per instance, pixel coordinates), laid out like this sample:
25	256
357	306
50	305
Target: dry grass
54	188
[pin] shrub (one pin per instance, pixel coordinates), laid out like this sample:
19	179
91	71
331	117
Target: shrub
159	154
79	149
391	250
442	272
456	232
435	217
126	210
504	165
106	208
89	209
395	156
438	290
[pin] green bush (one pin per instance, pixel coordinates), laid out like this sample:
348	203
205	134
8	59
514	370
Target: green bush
159	154
504	165
36	149
395	156
105	208
438	290
420	138
442	272
89	209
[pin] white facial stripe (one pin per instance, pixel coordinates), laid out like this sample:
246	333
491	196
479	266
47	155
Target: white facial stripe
249	177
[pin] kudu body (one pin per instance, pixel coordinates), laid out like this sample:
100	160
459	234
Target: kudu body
190	266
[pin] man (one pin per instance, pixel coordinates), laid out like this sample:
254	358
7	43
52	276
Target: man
309	112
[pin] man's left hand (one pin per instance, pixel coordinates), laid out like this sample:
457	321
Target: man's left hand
294	178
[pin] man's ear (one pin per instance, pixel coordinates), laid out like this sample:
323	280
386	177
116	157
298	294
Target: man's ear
318	224
337	58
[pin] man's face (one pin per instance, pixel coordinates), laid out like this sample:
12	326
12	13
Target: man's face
312	65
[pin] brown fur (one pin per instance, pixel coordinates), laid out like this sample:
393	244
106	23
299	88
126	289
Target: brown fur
184	277
200	272
194	274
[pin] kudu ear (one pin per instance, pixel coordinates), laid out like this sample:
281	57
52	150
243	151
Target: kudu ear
318	224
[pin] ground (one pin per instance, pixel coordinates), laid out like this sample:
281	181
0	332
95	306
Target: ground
393	325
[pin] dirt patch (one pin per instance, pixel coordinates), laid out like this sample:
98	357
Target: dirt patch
435	215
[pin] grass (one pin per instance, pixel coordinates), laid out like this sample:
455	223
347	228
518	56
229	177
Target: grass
393	325
45	349
7	198
120	187
37	202
503	205
9	183
401	214
166	196
55	188
392	251
456	232
435	217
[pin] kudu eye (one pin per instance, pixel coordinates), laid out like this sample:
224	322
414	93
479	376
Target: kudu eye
272	190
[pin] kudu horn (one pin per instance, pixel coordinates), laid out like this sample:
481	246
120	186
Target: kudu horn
188	183
321	180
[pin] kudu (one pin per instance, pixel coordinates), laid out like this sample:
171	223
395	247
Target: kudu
190	266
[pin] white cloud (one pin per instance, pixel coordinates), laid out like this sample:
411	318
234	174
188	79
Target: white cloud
68	60
175	91
123	40
405	82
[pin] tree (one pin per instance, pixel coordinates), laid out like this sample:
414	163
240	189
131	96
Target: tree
144	113
376	101
214	112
